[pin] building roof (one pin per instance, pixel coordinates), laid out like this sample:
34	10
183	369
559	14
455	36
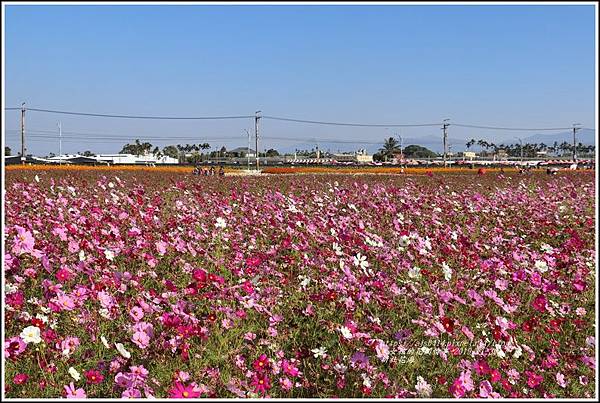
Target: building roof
242	150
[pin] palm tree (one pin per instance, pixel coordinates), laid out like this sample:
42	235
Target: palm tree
470	143
390	147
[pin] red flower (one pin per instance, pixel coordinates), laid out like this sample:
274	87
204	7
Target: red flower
38	322
63	275
179	391
448	324
93	376
539	303
261	383
20	379
262	363
495	375
247	287
199	275
481	367
528	325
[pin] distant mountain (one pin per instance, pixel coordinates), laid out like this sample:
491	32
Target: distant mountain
584	136
434	143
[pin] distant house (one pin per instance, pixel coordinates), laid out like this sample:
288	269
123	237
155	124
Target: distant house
502	154
243	152
469	154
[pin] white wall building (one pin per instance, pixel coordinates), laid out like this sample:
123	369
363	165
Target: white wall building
118	159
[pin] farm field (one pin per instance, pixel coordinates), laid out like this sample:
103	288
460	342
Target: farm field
128	283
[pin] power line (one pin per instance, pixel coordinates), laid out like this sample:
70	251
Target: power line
294	120
348	124
108	137
511	128
102	115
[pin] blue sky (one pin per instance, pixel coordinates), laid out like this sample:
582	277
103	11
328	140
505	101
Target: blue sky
520	66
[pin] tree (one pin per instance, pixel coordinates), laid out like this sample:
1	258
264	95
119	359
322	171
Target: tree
88	153
272	153
170	151
390	147
7	151
470	143
137	148
416	151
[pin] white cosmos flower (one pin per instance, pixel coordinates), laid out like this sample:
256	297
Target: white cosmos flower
541	266
319	352
122	351
447	271
74	374
31	334
37	178
499	352
104	341
423	388
10	288
81	255
404	240
109	254
337	249
221	223
360	261
414	272
346	332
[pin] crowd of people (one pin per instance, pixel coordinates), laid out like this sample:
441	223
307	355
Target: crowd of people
202	171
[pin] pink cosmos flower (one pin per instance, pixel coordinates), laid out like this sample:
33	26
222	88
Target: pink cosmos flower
285	383
560	380
24	241
13	347
289	368
136	313
141	339
73	393
131	393
65	302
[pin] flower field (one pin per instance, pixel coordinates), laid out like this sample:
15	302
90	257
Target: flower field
163	284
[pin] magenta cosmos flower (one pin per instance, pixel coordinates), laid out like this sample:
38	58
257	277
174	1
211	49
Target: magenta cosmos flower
181	391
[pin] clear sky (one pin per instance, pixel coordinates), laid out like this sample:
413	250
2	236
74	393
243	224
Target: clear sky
520	66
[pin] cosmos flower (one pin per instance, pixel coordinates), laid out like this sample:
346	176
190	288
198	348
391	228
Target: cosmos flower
31	334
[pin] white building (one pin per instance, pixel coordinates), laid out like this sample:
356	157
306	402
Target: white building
135	159
117	159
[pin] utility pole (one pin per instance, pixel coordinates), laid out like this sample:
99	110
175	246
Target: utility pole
23	133
575	128
59	143
445	129
401	155
521	143
256	119
248	151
